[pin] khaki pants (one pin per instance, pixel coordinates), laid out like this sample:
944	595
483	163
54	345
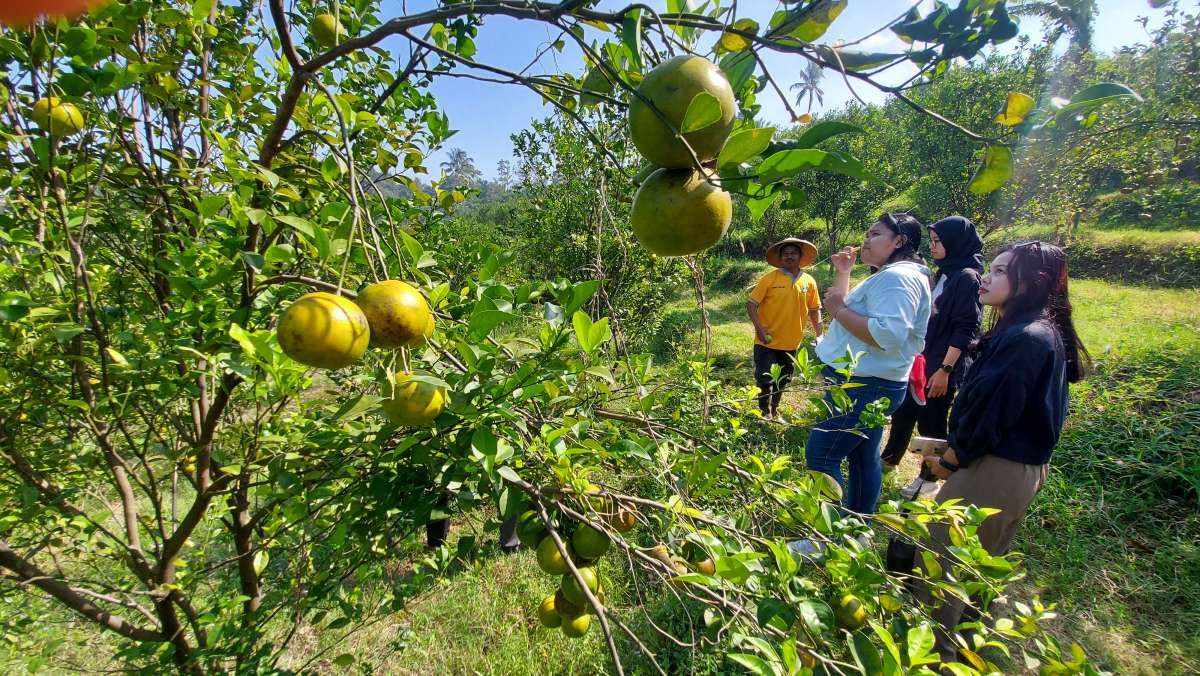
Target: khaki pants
990	481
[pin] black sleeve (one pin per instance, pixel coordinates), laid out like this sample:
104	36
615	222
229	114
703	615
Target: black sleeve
996	392
966	314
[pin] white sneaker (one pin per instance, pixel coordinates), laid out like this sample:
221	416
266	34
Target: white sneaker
807	549
920	489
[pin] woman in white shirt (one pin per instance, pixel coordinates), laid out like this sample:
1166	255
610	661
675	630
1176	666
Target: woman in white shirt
882	323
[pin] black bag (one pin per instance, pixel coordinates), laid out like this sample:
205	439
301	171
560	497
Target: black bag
902	551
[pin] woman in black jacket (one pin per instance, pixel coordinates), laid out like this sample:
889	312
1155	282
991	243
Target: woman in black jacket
1011	405
953	326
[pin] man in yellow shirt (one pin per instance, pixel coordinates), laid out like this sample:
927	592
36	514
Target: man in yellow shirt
779	305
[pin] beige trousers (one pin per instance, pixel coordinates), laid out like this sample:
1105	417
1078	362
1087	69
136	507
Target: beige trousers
990	481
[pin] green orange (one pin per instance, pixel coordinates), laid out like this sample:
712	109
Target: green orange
678	212
413	403
671	87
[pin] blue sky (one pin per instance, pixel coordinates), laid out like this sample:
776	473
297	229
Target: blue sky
485	115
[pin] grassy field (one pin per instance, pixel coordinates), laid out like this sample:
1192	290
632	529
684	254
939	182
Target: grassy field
1112	539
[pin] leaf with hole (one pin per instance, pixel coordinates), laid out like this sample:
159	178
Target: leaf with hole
1016	108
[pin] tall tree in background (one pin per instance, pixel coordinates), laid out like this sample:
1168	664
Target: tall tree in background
460	169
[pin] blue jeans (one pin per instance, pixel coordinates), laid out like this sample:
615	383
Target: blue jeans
842	437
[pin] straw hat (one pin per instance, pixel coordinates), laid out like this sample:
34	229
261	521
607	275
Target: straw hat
808	251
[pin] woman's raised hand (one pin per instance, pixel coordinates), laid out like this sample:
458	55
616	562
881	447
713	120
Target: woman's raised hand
844	260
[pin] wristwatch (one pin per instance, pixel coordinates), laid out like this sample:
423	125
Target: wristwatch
948	368
948	465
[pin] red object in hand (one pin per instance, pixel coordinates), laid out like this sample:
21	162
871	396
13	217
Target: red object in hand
25	12
916	380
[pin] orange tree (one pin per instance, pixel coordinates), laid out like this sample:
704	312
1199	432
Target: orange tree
173	480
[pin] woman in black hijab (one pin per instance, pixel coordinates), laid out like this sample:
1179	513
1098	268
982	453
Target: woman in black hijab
953	325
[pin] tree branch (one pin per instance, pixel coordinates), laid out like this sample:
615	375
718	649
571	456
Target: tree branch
30	574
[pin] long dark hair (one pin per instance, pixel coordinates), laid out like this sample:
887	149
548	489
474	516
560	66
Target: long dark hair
909	227
1037	276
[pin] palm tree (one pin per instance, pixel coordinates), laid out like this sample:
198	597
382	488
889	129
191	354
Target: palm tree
808	85
460	169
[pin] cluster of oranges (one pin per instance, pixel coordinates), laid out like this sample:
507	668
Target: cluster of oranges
567	608
679	209
328	331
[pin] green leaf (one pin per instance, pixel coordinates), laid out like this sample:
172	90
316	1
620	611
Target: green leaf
344	660
261	559
1096	96
811	22
993	172
758	205
583	331
853	60
866	654
920	642
1016	108
201	9
702	112
631	36
483	321
744	145
753	663
14	306
738	69
301	225
788	163
355	407
822	131
596	82
239	334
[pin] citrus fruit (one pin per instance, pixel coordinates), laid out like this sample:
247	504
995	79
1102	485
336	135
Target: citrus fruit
549	559
547	614
565	608
530	529
850	613
705	567
413	403
677	212
624	520
397	312
327	30
589	542
323	330
576	626
25	12
59	117
671	87
572	590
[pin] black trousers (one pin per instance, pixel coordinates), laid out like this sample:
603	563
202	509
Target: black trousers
931	420
769	392
437	530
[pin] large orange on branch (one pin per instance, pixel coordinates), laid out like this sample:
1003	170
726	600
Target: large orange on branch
678	212
398	314
25	12
324	330
59	117
414	403
672	87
